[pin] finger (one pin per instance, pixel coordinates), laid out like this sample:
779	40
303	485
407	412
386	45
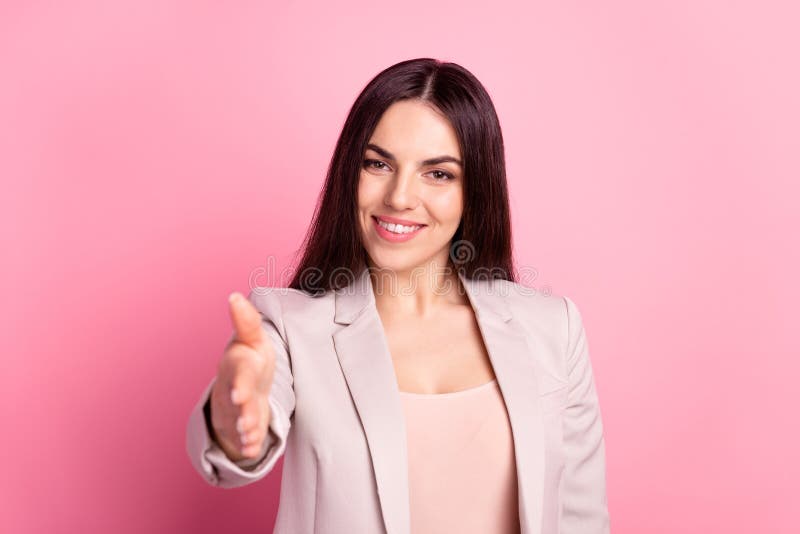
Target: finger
249	425
249	417
246	321
251	437
253	450
243	384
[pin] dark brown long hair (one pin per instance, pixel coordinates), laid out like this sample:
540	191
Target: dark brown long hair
333	251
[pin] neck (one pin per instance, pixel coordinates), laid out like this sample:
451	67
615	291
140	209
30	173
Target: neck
421	291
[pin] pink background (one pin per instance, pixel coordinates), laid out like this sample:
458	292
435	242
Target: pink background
156	154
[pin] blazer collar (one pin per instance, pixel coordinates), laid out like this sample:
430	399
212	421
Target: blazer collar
366	362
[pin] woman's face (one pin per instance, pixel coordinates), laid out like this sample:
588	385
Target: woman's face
410	172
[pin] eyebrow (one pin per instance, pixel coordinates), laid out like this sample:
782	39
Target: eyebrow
431	161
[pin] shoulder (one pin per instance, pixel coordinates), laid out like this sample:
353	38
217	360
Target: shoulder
529	302
542	313
284	302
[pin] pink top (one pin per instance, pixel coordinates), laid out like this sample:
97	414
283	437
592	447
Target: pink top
462	474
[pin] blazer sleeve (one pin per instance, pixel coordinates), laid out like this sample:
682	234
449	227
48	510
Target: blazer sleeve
205	454
583	492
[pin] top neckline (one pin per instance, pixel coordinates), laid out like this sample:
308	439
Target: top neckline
450	393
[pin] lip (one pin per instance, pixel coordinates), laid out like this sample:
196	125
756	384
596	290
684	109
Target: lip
395	238
395	220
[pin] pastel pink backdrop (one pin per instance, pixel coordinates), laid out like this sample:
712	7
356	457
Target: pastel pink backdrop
154	155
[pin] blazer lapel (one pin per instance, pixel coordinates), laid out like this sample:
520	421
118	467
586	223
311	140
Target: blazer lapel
367	365
368	369
513	363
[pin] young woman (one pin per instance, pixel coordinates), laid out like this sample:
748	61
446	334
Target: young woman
411	383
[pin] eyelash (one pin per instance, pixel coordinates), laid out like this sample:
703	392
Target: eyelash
448	176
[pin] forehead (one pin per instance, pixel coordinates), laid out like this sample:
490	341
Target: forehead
413	130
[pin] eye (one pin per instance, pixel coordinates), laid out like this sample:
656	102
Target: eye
374	164
443	176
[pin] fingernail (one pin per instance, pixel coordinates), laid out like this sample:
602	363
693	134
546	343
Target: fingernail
235	396
233	296
240	424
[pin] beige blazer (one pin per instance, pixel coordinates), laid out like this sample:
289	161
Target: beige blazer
337	416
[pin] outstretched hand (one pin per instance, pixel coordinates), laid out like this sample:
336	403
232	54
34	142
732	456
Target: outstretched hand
240	413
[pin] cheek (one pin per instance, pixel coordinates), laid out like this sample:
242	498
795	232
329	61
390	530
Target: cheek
368	192
448	206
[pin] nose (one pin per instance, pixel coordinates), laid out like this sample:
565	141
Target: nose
402	193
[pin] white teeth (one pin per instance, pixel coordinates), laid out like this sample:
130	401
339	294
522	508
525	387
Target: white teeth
398	228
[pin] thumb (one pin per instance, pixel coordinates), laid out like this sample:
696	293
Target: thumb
246	321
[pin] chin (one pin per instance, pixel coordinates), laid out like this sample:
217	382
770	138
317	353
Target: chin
397	262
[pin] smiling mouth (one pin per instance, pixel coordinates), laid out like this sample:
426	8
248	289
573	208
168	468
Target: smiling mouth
396	233
399	229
